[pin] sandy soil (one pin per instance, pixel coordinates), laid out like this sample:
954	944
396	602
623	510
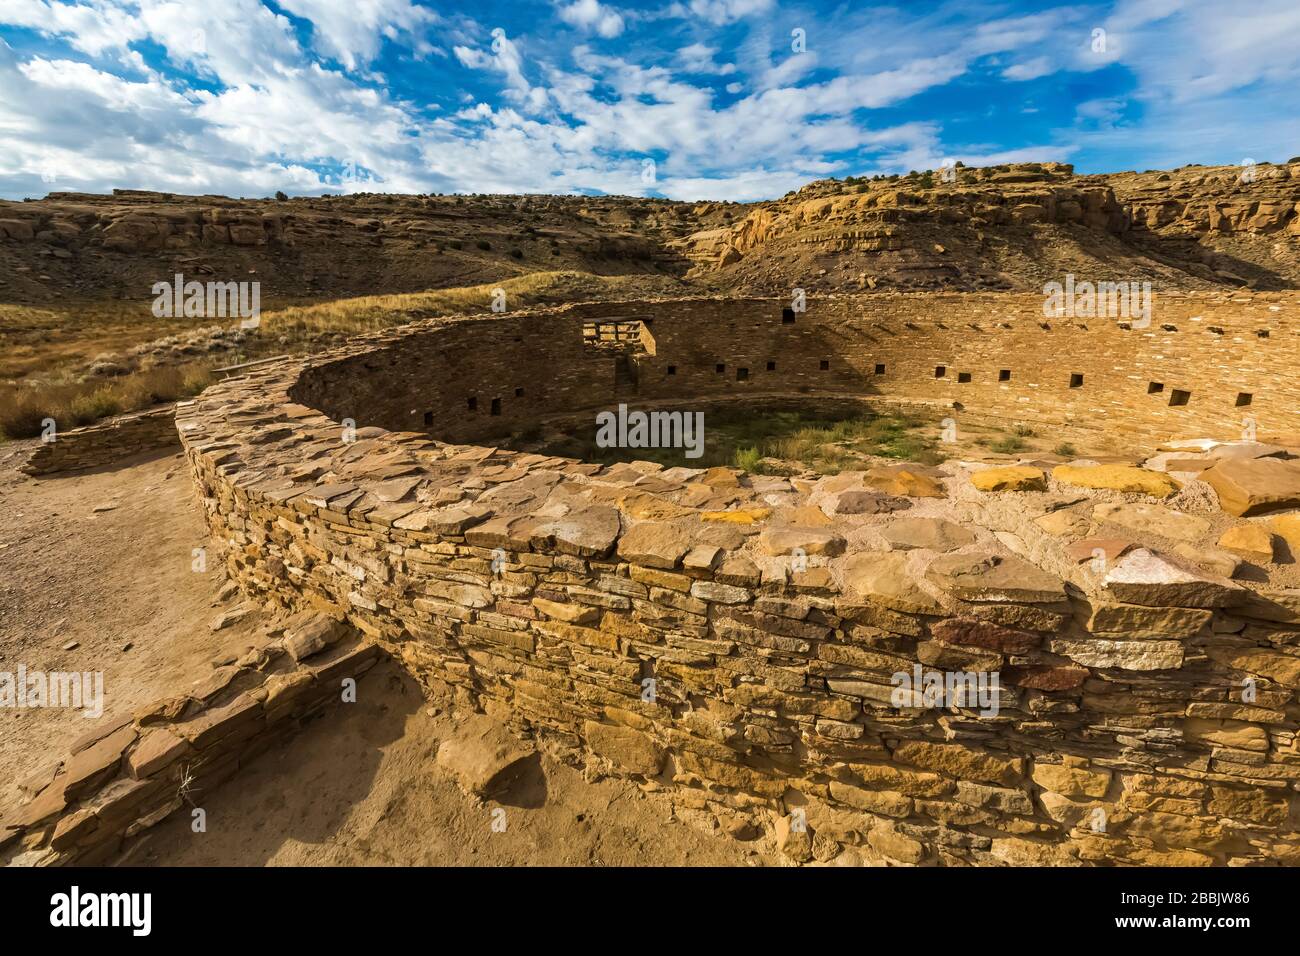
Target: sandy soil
109	591
360	786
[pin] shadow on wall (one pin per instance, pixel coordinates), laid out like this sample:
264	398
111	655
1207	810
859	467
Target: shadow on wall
1200	370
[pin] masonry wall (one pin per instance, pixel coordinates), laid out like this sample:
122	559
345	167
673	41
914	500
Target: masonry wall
1225	365
105	443
134	770
549	592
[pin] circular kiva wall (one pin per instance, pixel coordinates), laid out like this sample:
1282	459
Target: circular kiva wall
1202	367
750	643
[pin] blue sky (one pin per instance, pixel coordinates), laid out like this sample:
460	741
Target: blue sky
696	99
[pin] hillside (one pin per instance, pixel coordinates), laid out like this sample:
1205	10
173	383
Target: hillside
1014	228
1005	227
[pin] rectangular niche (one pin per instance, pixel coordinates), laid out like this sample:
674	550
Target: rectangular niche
1178	397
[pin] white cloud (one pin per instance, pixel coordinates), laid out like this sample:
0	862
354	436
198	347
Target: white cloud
352	32
594	16
699	58
1030	69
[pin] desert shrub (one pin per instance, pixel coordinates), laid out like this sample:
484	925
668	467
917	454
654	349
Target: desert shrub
92	406
1065	450
21	417
1007	445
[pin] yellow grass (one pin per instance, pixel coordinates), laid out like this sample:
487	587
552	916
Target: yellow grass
380	311
23	408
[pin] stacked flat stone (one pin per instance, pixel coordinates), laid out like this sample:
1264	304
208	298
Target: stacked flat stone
731	638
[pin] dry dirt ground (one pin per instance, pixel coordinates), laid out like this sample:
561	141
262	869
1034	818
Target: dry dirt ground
357	786
85	590
360	786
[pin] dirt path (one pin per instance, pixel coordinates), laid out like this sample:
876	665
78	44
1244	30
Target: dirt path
113	591
360	787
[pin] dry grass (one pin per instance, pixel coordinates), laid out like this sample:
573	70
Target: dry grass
23	408
371	312
44	352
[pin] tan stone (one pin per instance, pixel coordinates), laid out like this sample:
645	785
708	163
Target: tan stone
1145	577
994	577
570	613
738	515
1251	541
888	842
1072	781
904	482
1276	666
809	541
1287	527
884	579
1124	655
1139	620
1152	519
654	544
959	761
1251	486
483	757
628	748
934	534
1124	478
1010	478
1227	733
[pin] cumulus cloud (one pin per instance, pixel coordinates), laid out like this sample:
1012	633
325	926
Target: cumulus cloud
593	16
240	97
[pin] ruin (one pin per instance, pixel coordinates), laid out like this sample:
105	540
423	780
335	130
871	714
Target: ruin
733	638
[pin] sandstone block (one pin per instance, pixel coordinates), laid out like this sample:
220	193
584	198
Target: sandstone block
484	758
1252	486
1125	478
1145	577
1253	542
628	748
1010	478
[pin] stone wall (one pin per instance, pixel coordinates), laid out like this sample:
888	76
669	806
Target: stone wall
132	771
105	443
735	639
1205	364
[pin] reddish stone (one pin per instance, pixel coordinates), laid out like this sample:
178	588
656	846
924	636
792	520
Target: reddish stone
966	632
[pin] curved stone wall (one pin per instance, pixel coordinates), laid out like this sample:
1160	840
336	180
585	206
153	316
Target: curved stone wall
736	639
1205	364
